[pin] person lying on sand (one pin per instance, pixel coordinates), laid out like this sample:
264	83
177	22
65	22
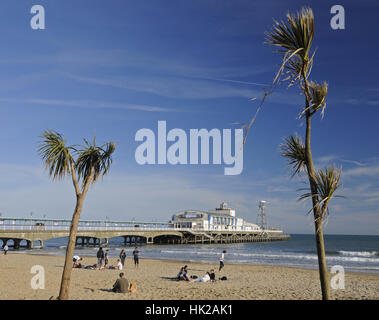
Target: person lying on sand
118	266
206	278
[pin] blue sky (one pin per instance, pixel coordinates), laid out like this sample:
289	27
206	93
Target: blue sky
112	68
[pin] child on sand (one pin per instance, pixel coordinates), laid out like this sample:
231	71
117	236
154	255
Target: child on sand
222	260
119	264
106	260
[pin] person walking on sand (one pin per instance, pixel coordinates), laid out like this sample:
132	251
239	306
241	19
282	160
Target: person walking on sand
123	256
136	254
222	258
100	257
5	249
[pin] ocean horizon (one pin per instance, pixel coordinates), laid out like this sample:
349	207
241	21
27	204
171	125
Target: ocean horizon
355	253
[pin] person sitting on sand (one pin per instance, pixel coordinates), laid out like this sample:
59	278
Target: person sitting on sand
212	275
76	260
121	285
180	276
180	272
119	264
183	274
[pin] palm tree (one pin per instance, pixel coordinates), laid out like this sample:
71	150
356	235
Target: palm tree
91	163
327	182
294	39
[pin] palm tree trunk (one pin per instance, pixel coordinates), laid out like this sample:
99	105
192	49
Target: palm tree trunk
66	275
323	271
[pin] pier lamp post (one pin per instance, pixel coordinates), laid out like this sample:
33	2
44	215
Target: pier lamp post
31	223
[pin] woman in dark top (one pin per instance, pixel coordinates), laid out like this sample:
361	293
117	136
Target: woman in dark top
123	256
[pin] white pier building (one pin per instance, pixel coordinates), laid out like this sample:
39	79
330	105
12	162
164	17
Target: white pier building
219	219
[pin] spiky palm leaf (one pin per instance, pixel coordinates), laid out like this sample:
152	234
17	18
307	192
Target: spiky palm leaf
94	161
328	181
294	38
294	150
55	154
317	95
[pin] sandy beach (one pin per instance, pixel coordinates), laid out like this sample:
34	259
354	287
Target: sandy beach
154	281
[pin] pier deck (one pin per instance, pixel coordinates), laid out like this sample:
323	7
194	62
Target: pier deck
31	233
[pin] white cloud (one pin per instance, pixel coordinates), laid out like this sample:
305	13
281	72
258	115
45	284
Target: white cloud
88	104
362	171
146	196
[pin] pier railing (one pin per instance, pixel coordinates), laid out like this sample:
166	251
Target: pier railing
46	225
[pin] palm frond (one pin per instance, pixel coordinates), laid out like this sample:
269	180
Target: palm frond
294	38
328	182
55	154
106	158
94	161
294	150
318	93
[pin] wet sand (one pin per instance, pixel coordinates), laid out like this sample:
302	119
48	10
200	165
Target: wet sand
154	281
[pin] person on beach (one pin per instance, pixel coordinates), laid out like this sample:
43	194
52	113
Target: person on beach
183	274
76	262
180	276
121	285
106	260
206	278
212	275
100	257
5	249
136	254
183	270
119	264
222	258
123	256
180	273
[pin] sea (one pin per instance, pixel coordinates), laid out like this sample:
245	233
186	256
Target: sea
355	253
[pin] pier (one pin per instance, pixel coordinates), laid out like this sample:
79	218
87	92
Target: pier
32	233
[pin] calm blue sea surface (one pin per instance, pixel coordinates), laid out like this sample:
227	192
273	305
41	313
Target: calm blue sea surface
354	253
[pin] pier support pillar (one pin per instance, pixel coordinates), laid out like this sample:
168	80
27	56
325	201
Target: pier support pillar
105	242
29	244
16	244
